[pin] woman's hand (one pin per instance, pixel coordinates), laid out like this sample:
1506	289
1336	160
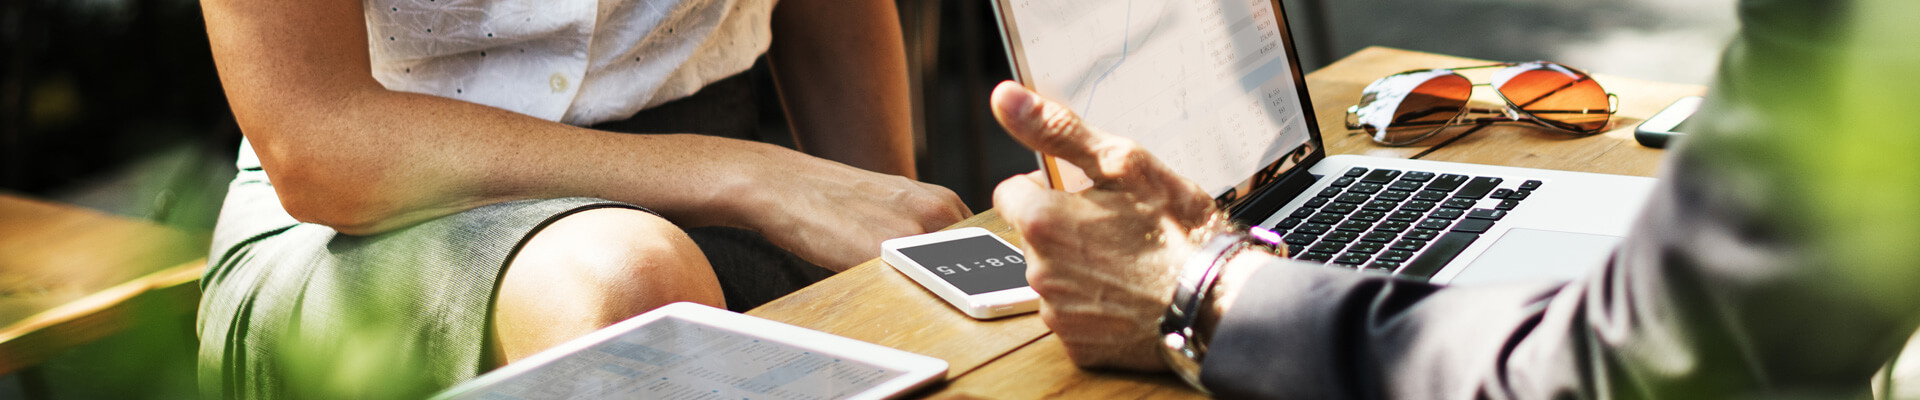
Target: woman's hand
836	216
1104	259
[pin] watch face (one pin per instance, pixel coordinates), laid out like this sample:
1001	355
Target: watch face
977	264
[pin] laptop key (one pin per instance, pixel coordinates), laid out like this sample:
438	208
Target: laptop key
1302	213
1520	195
1471	225
1379	237
1288	223
1431	195
1343	181
1369	216
1354	226
1507	205
1447	182
1530	185
1318	201
1356	172
1300	239
1383	266
1501	193
1447	213
1314	257
1353	258
1340	237
1354	198
1417	176
1367	247
1418	206
1313	228
1482	213
1478	187
1394	195
1293	249
1422	234
1459	203
1396	255
1327	218
1435	224
1404	216
1405	185
1381	176
1368	188
1392	226
1339	208
1409	245
1330	191
1326	247
1438	254
1381	205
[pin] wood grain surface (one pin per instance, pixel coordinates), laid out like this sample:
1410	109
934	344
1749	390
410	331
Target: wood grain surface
70	275
1042	371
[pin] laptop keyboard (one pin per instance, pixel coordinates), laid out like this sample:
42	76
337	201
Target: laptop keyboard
1407	223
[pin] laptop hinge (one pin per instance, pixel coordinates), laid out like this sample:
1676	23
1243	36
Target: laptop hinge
1271	197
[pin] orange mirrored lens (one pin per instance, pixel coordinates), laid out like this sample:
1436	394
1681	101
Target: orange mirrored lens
1428	107
1558	96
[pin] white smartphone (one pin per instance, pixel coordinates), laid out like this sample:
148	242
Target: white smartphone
979	273
1668	124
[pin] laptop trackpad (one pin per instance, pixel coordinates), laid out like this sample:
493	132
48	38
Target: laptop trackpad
1532	254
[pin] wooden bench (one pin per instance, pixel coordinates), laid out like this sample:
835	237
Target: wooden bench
70	276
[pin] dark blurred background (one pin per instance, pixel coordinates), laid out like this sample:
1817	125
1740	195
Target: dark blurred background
115	105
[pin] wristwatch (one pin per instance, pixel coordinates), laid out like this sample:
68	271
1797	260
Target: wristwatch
1193	292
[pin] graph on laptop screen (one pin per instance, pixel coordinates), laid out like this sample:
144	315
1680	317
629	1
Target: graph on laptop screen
1204	85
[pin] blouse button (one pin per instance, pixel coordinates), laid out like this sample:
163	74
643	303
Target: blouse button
558	82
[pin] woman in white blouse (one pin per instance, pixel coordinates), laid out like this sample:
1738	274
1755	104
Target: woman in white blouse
431	179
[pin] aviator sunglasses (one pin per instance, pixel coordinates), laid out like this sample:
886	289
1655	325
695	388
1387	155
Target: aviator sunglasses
1410	106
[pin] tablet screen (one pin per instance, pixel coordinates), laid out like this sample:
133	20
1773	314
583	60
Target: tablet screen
673	358
977	264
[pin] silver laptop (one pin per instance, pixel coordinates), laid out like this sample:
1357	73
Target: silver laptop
1214	89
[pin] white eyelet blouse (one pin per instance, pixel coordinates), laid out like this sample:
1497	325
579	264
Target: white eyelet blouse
574	61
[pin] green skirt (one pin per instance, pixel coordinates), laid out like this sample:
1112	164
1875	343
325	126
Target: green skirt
298	310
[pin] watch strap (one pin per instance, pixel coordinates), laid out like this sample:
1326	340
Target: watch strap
1193	292
1183	349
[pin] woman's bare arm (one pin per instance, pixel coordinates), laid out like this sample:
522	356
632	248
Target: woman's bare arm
345	152
842	72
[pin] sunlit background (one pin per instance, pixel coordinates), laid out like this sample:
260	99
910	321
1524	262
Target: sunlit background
114	105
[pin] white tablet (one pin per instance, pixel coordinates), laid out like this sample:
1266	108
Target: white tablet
692	351
975	271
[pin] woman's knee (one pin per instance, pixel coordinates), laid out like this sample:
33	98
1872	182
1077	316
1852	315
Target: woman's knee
591	269
624	254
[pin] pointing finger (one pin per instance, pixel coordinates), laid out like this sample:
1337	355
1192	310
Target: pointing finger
1052	129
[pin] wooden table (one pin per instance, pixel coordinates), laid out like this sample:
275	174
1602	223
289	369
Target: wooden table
69	276
1017	357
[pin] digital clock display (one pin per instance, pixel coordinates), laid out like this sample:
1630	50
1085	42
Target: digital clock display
976	265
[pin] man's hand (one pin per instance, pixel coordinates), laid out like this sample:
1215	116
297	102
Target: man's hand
1104	259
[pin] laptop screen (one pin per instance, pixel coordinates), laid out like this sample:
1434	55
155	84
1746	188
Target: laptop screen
1212	88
